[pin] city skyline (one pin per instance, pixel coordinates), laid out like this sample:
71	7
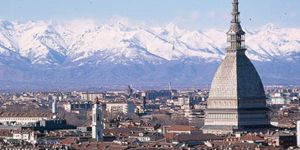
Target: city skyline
141	74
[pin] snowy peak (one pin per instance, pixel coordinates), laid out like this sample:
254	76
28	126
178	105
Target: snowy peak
81	42
83	53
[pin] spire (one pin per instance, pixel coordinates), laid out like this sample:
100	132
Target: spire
235	12
235	35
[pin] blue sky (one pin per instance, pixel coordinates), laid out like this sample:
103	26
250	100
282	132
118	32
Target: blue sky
187	13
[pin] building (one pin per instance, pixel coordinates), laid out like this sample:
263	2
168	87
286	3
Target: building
54	108
25	135
178	129
120	107
53	124
86	96
153	94
97	122
284	139
183	101
279	99
237	100
23	118
78	106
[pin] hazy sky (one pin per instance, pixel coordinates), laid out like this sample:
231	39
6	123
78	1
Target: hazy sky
187	13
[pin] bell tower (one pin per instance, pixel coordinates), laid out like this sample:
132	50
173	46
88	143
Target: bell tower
97	121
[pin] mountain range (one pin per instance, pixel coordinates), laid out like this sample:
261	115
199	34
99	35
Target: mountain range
84	53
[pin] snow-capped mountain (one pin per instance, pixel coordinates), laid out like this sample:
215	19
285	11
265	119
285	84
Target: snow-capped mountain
49	43
84	50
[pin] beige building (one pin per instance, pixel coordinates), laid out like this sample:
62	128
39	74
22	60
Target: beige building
120	107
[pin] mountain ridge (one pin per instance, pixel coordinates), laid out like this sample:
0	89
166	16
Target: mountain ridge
78	52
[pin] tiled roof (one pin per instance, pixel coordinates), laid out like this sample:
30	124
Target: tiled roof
98	146
5	133
25	114
197	137
69	141
180	128
252	137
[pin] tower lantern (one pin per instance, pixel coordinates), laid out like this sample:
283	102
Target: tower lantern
236	35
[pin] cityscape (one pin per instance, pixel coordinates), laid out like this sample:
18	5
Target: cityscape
136	119
240	107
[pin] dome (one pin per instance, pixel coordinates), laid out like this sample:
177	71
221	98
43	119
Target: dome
236	78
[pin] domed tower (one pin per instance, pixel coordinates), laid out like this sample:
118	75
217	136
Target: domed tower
237	100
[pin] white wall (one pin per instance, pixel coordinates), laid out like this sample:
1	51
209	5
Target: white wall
298	133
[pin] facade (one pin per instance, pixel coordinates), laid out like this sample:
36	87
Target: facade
84	106
86	96
120	107
237	100
28	136
183	101
97	122
279	99
298	133
178	129
53	124
7	118
54	108
153	94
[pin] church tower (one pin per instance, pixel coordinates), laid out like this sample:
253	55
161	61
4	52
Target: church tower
54	109
97	121
237	100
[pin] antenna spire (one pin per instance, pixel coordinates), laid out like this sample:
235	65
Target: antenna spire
236	35
235	12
